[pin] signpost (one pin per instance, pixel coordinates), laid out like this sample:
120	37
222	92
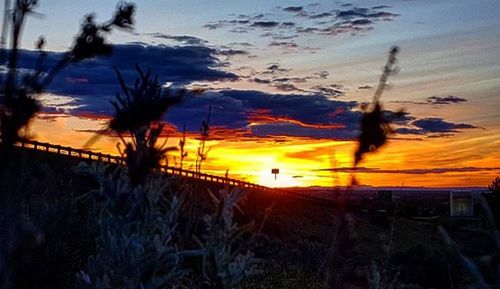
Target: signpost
275	172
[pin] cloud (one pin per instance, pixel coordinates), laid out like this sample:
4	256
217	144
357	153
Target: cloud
411	171
287	24
332	90
364	13
232	52
439	125
432	127
265	24
279	36
283	44
260	80
400	117
213	26
323	74
447	99
264	114
320	15
274	68
244	44
381	7
350	20
293	9
185	39
94	82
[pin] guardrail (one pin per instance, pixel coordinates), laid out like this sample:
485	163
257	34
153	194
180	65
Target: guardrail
111	159
69	151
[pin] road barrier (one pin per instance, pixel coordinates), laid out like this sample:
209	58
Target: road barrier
117	160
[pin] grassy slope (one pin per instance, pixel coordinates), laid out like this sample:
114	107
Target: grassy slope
299	236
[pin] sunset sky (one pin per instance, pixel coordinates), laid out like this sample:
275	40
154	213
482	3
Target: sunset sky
285	80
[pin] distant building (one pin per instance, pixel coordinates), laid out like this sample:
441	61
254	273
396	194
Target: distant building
461	204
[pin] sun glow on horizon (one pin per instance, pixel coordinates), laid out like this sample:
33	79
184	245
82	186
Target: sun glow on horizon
304	162
282	180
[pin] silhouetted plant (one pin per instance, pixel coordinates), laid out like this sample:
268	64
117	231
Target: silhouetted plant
202	152
18	103
374	126
182	148
374	131
138	113
494	187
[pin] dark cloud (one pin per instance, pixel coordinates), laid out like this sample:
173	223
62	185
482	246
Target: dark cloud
352	13
258	16
265	24
291	79
364	13
287	24
185	39
439	125
307	29
381	7
213	26
94	82
382	14
260	80
265	114
232	52
411	171
400	117
286	87
351	20
345	28
332	90
320	15
293	9
448	99
361	22
434	126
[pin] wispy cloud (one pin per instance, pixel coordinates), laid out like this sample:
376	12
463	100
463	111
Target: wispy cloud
184	39
292	21
293	9
437	125
411	171
447	99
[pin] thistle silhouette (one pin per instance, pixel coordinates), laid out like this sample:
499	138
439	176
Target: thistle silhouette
374	126
138	113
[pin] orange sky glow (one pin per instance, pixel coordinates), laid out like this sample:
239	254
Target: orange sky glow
300	160
286	89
